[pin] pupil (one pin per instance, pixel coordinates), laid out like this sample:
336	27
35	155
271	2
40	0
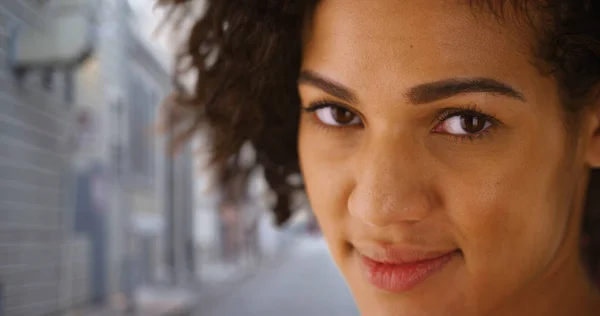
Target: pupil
472	124
342	116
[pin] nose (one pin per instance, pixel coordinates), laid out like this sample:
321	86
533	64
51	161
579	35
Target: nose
392	183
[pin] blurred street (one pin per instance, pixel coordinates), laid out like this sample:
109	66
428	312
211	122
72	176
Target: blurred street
306	283
97	218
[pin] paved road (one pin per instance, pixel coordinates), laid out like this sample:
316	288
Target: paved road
306	284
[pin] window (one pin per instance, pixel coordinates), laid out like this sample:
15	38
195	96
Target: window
143	105
7	32
3	43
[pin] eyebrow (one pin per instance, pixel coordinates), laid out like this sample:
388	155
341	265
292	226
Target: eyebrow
420	94
331	87
439	90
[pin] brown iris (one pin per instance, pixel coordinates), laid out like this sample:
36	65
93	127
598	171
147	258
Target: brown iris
342	116
472	124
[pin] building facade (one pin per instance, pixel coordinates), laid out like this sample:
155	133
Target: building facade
33	194
86	213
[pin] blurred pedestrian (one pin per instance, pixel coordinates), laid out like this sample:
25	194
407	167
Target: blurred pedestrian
231	231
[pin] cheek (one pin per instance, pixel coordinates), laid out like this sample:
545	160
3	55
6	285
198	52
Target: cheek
511	217
327	186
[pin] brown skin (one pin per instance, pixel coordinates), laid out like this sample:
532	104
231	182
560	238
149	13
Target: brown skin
510	198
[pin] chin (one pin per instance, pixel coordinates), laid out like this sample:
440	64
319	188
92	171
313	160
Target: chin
436	296
382	305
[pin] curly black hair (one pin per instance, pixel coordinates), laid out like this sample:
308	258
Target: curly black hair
247	53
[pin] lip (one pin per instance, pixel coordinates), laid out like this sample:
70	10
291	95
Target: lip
400	270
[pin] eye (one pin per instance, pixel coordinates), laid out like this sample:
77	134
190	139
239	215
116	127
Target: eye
334	115
464	123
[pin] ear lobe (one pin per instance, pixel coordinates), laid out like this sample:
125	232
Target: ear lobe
593	130
594	152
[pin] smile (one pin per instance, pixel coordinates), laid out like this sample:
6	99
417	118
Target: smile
401	271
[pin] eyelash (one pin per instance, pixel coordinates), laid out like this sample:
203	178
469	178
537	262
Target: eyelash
470	109
317	105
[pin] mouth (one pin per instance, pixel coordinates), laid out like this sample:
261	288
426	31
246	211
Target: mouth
402	270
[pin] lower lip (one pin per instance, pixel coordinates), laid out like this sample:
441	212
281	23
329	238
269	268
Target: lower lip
402	277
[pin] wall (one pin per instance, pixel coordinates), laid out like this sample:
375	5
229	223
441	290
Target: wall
32	195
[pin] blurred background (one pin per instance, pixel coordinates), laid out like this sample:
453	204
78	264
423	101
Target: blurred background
95	219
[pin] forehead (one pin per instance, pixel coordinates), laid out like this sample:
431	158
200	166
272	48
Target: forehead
400	42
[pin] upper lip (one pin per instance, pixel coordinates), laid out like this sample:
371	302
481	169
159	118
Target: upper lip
399	254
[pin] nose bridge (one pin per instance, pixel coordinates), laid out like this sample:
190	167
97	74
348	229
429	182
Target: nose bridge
390	182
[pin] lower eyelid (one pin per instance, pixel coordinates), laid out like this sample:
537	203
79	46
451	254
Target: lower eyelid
315	121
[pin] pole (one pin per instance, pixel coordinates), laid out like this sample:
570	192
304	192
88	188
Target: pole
170	208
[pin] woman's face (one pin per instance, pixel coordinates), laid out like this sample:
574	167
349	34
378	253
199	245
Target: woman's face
436	156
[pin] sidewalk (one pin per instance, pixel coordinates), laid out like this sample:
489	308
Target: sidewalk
164	301
150	302
216	294
307	282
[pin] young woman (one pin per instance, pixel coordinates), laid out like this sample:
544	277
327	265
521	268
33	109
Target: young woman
447	147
